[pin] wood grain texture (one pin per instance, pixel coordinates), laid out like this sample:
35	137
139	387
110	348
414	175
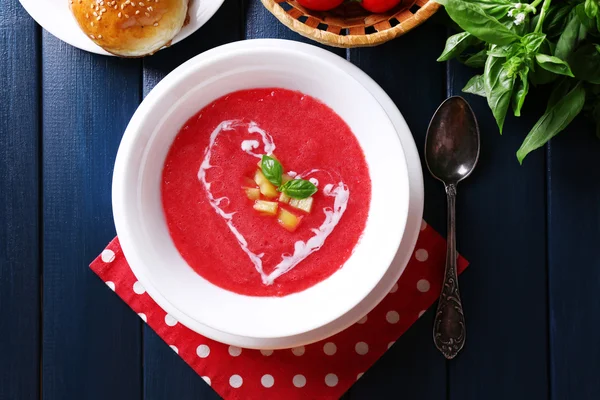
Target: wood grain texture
501	230
413	365
91	339
166	376
574	262
19	204
261	24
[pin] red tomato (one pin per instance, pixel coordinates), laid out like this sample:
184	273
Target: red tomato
320	5
379	6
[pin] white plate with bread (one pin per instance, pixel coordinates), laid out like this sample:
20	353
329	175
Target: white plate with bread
125	28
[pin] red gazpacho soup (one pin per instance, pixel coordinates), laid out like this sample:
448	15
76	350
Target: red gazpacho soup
266	192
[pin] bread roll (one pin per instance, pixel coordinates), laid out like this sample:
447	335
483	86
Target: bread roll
130	28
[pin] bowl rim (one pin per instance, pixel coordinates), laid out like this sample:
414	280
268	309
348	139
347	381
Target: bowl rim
170	81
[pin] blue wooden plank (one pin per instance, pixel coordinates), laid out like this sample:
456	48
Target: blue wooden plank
19	204
574	262
91	339
406	69
166	376
261	24
501	217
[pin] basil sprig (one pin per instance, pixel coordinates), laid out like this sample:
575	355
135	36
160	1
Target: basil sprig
522	46
271	169
296	188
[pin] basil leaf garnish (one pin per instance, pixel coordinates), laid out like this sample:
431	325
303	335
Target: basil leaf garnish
298	189
272	169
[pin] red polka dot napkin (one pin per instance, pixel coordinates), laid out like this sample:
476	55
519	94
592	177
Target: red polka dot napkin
323	370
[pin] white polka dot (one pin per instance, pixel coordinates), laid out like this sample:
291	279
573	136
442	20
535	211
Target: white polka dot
298	351
359	376
361	348
329	348
331	380
421	255
299	381
390	344
423	225
267	380
169	320
235	381
363	320
266	353
392	317
207	380
138	288
107	256
234	351
175	349
394	288
203	351
421	313
423	285
143	317
111	285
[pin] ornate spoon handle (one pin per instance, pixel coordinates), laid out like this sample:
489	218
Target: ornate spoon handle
449	324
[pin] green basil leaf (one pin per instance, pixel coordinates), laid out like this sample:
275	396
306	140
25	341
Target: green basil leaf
475	86
584	18
556	19
583	32
539	76
272	169
496	8
564	86
569	38
298	188
507	51
598	22
520	92
498	88
473	19
477	60
591	8
514	64
553	64
585	62
553	121
456	44
533	41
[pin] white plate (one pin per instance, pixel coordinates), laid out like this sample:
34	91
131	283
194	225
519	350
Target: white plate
55	17
297	319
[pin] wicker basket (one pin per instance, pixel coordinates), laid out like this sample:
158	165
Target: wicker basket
349	25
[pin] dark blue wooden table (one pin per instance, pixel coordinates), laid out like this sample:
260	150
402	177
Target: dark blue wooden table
531	232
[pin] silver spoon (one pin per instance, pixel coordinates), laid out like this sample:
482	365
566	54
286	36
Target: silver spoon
451	153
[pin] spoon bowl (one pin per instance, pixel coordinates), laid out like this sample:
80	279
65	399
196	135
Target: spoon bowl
452	144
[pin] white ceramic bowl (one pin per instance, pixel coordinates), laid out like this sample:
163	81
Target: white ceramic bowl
189	298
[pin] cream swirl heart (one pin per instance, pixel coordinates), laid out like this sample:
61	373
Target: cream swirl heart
302	249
